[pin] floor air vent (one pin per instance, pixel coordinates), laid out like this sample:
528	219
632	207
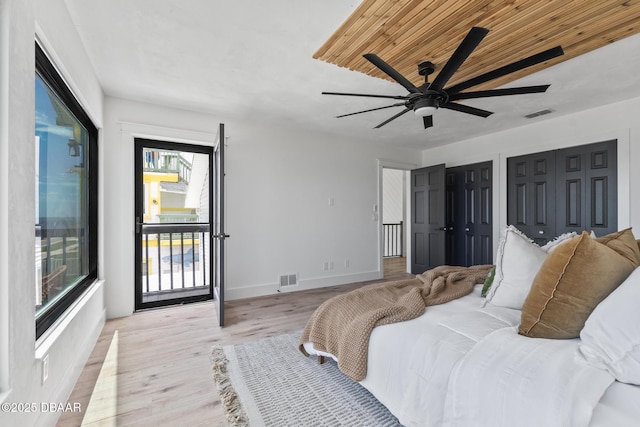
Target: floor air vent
539	113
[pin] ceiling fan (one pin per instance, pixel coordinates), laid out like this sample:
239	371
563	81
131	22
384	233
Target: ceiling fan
425	99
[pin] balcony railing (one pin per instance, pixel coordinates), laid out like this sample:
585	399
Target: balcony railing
174	258
60	247
59	259
178	217
167	162
392	246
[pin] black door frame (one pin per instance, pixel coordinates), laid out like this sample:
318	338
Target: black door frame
138	217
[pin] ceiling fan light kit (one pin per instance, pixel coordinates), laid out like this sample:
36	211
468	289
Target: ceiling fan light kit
426	99
425	107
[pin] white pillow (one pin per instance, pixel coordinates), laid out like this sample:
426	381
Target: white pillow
517	262
611	334
552	244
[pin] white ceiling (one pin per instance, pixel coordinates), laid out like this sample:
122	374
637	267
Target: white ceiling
252	60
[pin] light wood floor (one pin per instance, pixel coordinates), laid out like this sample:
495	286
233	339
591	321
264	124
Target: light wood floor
155	364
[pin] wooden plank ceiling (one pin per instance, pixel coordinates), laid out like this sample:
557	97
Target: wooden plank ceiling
406	32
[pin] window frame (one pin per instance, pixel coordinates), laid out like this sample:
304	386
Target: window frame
48	73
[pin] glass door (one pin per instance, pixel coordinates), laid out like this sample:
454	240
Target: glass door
173	222
219	235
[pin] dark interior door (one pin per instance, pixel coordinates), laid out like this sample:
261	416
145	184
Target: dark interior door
483	230
219	236
531	190
469	214
427	218
454	239
586	197
559	191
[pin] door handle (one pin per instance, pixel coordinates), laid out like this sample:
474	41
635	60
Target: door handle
138	225
220	236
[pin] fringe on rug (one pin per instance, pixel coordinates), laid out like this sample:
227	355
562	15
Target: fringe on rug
231	402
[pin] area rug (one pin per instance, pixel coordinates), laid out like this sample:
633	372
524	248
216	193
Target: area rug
270	383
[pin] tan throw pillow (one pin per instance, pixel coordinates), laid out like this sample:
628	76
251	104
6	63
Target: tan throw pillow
624	243
571	282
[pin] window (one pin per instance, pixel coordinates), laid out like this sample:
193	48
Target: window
66	196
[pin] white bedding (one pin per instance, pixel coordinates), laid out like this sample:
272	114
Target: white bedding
528	383
442	369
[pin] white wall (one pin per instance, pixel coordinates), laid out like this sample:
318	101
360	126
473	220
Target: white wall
615	121
17	147
69	342
393	195
298	200
295	200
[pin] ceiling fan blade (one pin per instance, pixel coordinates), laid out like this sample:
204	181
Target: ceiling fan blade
462	52
391	72
372	109
392	118
499	92
507	69
428	121
365	94
466	109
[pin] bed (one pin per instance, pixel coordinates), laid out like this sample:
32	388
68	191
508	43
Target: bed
494	360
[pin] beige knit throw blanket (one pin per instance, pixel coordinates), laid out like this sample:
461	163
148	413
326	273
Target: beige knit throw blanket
342	325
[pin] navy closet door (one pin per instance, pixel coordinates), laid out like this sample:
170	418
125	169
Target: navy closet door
427	218
469	215
559	191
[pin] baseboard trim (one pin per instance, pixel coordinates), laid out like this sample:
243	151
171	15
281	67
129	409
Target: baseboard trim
303	284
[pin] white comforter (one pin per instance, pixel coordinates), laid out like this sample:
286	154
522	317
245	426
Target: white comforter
463	365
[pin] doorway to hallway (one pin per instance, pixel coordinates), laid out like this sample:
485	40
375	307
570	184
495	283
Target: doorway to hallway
394	214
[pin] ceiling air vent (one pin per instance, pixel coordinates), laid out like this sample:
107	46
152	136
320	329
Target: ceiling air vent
539	113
